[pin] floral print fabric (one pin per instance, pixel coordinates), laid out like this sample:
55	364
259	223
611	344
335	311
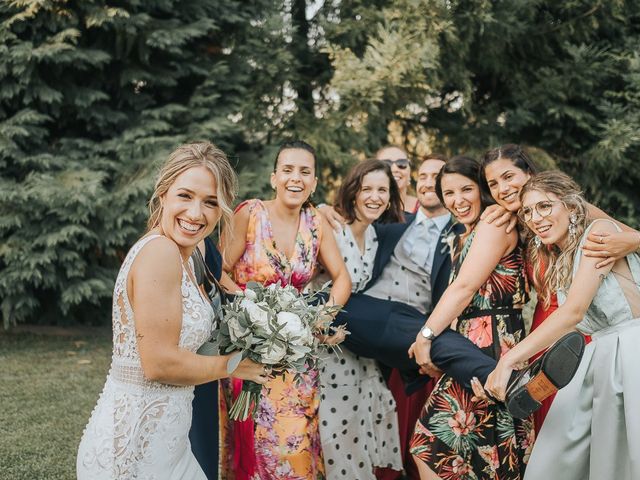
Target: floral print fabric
262	262
458	435
286	439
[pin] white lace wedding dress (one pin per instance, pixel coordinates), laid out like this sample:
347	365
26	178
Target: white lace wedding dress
139	428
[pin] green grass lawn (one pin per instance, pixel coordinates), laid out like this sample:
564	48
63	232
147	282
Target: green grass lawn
48	388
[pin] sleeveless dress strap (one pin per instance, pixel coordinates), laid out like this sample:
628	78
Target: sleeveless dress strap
561	294
135	250
587	231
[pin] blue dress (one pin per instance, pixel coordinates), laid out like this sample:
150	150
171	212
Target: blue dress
205	424
593	428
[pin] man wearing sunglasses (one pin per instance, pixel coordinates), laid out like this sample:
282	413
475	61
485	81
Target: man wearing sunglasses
398	160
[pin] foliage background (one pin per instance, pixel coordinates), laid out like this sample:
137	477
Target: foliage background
94	94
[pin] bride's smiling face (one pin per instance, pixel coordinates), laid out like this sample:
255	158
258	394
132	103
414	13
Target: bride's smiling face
190	208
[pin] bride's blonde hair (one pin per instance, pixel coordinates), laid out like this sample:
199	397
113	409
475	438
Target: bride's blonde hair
552	267
190	155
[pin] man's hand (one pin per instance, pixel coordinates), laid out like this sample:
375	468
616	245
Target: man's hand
337	337
334	218
421	351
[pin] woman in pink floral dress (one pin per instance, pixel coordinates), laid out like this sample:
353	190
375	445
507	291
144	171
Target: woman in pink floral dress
460	436
280	241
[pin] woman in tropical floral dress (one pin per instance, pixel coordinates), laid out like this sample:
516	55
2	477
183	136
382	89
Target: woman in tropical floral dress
459	435
280	241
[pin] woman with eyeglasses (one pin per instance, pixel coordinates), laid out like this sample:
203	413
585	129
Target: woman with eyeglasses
506	170
593	427
396	157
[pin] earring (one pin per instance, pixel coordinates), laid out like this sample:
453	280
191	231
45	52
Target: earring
537	242
573	220
388	206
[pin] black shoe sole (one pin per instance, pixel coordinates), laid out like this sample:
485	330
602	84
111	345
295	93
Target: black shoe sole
549	373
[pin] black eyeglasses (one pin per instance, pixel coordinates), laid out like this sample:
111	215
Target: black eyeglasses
543	209
401	163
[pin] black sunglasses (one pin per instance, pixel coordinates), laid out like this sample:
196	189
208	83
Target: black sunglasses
401	163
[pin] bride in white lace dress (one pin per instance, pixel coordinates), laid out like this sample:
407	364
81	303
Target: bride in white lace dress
139	427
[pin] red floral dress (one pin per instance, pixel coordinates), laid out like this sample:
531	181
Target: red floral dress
458	435
284	441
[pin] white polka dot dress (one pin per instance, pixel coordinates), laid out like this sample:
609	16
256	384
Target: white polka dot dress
358	419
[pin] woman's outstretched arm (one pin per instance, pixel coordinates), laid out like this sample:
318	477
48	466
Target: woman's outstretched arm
489	245
584	287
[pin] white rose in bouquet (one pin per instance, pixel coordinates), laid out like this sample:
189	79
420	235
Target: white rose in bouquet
259	316
250	294
237	331
272	354
292	326
286	297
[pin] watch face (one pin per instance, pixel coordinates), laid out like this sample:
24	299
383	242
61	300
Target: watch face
427	333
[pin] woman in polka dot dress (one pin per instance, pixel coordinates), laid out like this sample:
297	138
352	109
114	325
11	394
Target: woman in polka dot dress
358	420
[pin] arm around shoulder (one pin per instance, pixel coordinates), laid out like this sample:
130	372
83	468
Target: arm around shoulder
329	255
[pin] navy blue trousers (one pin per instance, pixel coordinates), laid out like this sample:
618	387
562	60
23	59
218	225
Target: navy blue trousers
384	330
204	428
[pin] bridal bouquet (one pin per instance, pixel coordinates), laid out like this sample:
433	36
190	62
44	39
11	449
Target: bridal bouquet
276	326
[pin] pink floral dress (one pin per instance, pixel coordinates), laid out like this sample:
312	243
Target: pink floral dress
284	441
458	435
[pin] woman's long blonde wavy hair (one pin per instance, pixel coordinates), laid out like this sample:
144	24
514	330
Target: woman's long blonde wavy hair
552	267
190	155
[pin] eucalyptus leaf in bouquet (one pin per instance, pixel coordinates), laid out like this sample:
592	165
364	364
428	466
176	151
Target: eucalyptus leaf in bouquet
276	326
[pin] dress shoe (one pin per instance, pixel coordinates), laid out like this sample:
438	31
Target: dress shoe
545	376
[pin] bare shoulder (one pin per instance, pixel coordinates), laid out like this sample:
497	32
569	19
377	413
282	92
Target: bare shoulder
242	213
159	259
493	236
324	223
604	225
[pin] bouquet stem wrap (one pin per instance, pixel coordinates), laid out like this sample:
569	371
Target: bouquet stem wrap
247	402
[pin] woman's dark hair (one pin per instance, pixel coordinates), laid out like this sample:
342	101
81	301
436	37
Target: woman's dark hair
346	199
295	145
467	167
514	153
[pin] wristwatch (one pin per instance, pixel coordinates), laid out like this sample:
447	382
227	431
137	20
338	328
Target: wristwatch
427	333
